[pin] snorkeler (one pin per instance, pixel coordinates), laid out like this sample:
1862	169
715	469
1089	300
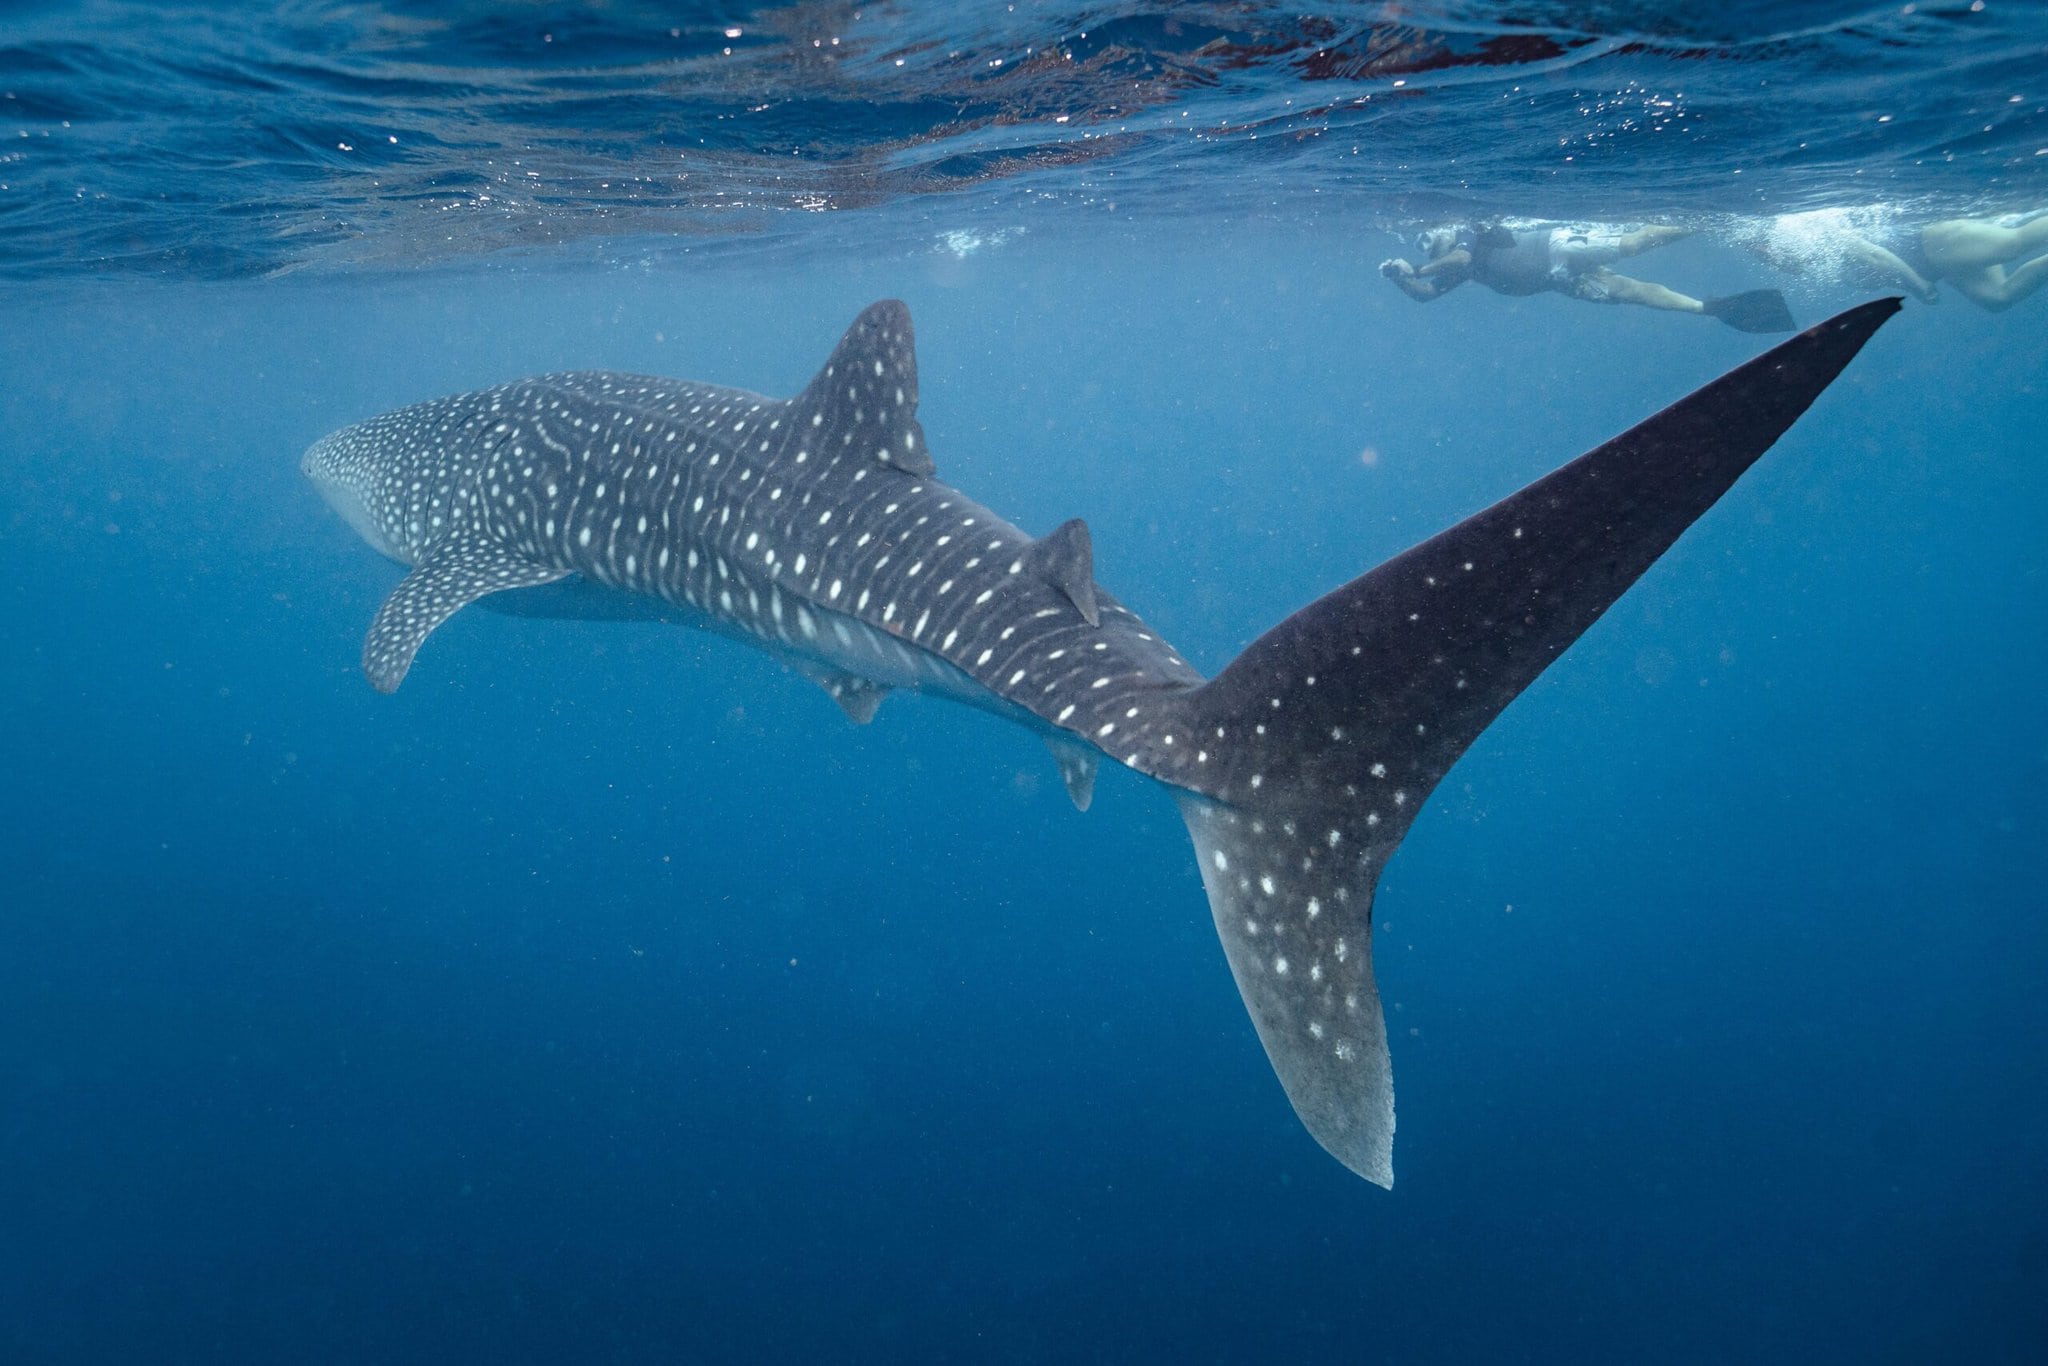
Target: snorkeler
1572	261
1973	255
1970	254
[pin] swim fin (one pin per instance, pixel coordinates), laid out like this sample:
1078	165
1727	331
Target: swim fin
1756	310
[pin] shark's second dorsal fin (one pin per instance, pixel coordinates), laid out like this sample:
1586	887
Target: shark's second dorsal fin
863	404
1065	558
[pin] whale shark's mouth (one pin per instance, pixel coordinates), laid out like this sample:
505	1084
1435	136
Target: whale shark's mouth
341	494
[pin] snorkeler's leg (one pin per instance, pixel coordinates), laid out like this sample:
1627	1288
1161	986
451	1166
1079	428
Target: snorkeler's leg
1756	310
1620	289
1644	238
1996	289
2024	280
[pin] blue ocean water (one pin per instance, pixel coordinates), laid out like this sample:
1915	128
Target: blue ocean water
603	995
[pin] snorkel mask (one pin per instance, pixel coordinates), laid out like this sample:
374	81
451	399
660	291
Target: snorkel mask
1436	241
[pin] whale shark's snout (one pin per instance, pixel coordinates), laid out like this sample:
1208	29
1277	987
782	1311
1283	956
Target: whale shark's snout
347	485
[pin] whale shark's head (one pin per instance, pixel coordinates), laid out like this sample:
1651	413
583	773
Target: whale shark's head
354	485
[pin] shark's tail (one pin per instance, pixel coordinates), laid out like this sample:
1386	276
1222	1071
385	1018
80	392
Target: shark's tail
1325	737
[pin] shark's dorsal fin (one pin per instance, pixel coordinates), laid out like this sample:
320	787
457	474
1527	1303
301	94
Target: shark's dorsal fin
1065	558
1078	764
858	697
454	574
864	402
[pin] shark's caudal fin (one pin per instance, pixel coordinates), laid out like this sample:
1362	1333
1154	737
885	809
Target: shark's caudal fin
1325	736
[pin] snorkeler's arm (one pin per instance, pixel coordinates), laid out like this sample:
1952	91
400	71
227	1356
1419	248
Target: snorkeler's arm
1458	263
1423	285
1887	262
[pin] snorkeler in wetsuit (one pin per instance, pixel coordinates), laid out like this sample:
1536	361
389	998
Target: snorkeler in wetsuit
1572	261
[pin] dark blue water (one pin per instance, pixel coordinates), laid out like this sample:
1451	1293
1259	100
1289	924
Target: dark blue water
603	995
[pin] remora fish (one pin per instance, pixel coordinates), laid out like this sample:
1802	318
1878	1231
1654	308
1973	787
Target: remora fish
815	529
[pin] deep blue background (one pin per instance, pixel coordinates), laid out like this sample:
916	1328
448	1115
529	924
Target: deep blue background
603	995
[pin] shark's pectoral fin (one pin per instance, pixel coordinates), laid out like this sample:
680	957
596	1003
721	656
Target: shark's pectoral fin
1065	558
1078	764
858	697
863	404
453	575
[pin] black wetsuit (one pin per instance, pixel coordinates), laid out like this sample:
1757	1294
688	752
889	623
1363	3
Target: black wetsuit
1505	262
1512	262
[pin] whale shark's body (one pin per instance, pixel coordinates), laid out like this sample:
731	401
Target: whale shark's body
815	528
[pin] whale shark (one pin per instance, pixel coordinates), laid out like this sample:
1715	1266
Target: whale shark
816	528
